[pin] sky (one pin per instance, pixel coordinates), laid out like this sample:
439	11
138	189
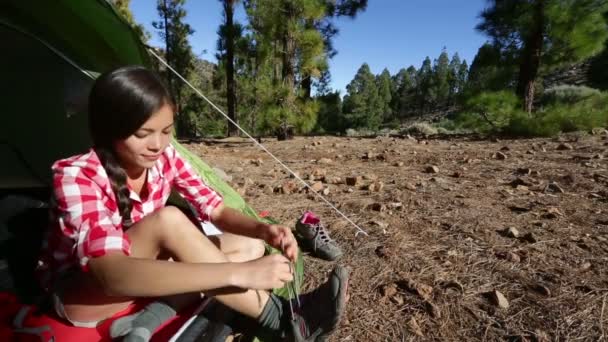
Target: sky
390	34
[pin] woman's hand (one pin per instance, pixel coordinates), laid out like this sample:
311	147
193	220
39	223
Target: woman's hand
269	272
281	238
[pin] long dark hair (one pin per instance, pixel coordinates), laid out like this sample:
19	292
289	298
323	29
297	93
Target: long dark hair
120	102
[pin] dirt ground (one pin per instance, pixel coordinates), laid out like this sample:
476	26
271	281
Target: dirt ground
467	239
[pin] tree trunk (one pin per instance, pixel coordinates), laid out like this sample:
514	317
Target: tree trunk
307	86
167	50
289	52
230	87
530	61
306	79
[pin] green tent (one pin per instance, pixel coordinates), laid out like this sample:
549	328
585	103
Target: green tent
52	51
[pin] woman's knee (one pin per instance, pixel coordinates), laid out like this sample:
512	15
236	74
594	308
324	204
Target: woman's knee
172	221
247	249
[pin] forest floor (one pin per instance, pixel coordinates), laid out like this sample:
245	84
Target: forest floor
467	239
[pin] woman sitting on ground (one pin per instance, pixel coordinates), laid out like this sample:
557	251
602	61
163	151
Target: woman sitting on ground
112	235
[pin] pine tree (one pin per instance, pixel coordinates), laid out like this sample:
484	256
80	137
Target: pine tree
545	33
491	70
424	80
453	81
173	29
384	84
361	104
440	88
229	32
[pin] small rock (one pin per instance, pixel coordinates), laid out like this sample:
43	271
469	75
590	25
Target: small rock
333	180
585	266
553	213
511	232
398	164
325	161
410	186
499	156
432	169
350	190
499	299
519	181
316	187
318	174
257	162
369	155
395	205
325	192
370	176
288	187
354	181
529	237
378	206
526	171
237	169
554	187
564	146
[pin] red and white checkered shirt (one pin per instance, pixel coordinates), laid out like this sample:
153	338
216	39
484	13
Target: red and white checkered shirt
85	220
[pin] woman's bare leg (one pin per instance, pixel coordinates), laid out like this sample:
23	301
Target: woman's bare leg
167	230
239	248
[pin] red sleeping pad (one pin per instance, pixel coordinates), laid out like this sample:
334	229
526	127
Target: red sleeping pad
21	323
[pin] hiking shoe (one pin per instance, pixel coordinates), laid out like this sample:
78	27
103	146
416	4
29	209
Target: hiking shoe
322	309
315	237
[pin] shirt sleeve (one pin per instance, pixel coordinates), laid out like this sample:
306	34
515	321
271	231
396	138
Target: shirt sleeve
190	185
83	216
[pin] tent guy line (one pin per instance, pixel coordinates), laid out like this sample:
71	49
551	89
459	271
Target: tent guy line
199	93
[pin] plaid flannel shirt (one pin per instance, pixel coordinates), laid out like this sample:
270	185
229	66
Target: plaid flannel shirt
85	220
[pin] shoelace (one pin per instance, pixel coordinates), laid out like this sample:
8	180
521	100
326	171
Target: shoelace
321	234
292	288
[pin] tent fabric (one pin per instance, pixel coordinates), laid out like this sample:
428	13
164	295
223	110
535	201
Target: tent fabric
44	96
91	32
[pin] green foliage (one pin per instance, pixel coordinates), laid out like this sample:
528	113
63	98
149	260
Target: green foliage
543	34
488	111
583	115
362	105
568	94
491	70
330	117
423	128
384	84
502	114
439	91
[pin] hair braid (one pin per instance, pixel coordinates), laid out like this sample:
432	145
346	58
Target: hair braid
118	181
